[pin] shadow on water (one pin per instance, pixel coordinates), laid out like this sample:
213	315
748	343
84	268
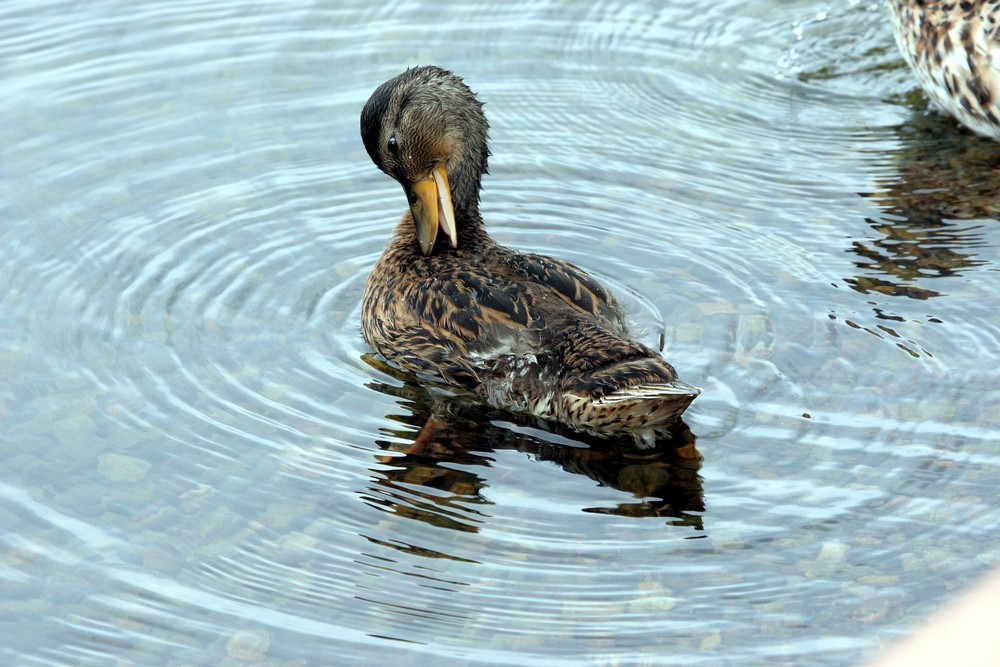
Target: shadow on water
443	438
945	184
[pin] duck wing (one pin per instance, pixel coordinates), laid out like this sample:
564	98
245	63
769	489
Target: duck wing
573	285
449	324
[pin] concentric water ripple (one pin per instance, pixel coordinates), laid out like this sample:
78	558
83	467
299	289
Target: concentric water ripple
203	462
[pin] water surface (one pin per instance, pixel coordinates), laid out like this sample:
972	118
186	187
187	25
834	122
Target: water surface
202	464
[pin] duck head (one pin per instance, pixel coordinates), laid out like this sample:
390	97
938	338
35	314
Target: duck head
426	129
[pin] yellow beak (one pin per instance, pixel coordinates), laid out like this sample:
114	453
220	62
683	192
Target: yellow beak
430	204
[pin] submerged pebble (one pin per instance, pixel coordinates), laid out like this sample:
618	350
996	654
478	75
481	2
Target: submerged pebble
122	468
249	645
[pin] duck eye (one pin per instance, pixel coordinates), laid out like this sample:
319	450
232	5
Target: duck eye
393	145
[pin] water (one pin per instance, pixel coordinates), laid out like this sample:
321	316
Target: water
202	464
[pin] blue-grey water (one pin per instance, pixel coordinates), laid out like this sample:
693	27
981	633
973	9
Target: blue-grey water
200	464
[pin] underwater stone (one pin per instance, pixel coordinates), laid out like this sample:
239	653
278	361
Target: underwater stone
249	645
121	468
833	552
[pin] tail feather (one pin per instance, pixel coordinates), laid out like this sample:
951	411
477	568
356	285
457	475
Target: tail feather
593	380
650	391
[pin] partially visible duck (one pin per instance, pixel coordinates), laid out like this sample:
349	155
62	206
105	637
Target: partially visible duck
526	333
954	48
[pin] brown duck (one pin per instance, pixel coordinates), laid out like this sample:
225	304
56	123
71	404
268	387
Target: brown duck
527	333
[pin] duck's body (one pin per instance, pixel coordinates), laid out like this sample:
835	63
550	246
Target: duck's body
526	333
954	48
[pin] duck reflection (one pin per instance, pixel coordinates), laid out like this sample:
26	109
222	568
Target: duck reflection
945	184
443	438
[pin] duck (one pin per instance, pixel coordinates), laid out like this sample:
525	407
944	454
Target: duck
524	333
954	49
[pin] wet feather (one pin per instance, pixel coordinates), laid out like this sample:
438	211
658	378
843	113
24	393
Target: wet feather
526	333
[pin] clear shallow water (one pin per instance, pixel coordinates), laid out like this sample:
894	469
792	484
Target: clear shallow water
201	464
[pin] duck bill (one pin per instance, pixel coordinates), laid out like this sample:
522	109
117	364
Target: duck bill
430	204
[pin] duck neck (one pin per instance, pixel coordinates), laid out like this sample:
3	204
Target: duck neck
465	199
466	182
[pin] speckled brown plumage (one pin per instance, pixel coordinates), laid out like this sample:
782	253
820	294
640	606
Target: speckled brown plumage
954	48
526	333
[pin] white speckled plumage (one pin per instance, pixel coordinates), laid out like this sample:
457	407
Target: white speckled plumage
954	49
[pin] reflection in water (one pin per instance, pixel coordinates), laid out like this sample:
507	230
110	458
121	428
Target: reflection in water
944	177
909	252
444	437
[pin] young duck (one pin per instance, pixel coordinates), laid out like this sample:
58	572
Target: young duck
527	333
954	48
